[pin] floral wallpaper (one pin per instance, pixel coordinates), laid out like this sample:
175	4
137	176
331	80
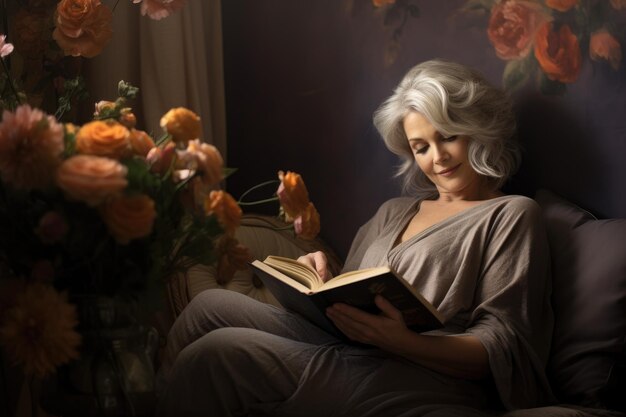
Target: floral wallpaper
542	41
547	41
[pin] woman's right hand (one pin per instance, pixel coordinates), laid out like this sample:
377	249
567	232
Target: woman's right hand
317	260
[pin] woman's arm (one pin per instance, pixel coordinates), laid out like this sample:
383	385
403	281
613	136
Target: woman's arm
458	356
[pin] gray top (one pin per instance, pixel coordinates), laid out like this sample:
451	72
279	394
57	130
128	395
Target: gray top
486	269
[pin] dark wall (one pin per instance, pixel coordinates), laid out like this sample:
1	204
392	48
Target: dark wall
303	78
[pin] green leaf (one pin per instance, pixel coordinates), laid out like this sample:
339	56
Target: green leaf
517	72
127	90
139	176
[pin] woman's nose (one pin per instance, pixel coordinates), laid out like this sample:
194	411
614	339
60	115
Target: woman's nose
440	155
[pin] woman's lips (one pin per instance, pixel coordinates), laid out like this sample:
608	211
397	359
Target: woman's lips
449	171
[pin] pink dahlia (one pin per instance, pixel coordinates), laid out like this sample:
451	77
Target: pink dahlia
31	143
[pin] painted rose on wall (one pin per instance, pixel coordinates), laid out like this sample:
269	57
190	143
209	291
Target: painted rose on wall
549	40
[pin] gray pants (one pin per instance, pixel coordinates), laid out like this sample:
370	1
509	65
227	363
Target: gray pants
230	355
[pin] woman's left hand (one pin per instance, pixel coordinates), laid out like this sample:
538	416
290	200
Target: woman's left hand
380	330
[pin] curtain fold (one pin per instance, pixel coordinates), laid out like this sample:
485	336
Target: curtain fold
176	61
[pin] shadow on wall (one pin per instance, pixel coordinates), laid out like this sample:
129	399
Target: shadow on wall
559	153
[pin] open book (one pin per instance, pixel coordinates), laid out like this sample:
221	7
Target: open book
298	287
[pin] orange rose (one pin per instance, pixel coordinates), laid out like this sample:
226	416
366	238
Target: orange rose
307	224
561	5
140	142
232	257
225	208
129	218
558	53
604	46
91	179
83	27
512	27
110	139
206	159
183	124
292	193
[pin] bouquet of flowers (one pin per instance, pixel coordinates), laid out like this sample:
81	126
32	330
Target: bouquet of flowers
105	209
102	209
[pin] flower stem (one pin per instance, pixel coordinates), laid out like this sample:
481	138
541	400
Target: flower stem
114	6
33	403
263	184
252	203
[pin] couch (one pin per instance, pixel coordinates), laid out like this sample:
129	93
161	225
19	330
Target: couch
587	365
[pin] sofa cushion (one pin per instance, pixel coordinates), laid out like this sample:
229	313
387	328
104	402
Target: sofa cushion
589	300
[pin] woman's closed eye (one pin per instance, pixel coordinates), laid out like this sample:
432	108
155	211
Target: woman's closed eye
421	149
450	138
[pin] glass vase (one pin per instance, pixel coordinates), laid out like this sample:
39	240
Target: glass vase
114	375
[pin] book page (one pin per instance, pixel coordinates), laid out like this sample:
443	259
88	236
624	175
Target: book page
298	271
354	276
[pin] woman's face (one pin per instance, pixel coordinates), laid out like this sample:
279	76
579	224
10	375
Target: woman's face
444	160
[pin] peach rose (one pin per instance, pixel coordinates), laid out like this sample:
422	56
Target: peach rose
561	5
83	27
206	159
512	27
292	193
102	106
223	206
604	46
110	139
183	124
129	218
91	179
140	142
558	53
307	224
618	4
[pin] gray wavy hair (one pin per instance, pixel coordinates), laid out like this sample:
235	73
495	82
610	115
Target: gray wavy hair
456	100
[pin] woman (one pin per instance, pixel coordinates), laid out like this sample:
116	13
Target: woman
479	256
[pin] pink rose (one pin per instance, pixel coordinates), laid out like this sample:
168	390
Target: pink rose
5	47
513	25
